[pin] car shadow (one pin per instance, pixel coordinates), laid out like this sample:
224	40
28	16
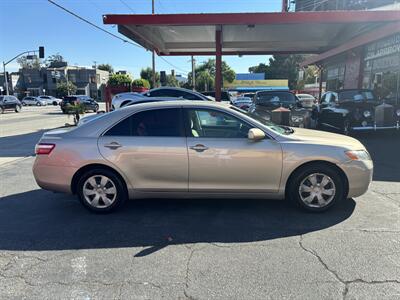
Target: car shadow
384	149
40	220
20	145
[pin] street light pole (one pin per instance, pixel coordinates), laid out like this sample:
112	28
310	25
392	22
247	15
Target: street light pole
5	78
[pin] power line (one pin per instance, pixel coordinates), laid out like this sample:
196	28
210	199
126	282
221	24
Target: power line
172	65
94	25
126	5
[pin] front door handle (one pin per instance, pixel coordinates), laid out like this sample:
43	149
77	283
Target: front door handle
199	148
113	145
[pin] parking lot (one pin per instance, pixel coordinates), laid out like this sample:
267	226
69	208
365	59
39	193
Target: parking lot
51	247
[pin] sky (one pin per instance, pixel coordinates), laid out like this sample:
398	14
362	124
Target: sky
28	24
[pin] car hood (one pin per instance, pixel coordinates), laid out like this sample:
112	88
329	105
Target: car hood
325	138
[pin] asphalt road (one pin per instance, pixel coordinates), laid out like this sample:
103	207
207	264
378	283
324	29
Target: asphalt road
52	248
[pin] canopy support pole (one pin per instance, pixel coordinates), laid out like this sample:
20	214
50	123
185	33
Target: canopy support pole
321	73
218	63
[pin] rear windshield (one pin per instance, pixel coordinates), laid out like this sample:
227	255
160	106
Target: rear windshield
274	97
70	99
356	96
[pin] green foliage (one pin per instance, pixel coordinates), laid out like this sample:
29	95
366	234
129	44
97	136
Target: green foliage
119	80
106	67
53	60
141	83
171	81
74	109
205	75
281	67
29	63
65	88
147	74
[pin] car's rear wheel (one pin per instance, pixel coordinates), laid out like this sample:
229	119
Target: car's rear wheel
101	190
55	103
316	187
38	104
1	110
23	103
17	108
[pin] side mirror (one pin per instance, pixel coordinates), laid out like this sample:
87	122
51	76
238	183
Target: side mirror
256	134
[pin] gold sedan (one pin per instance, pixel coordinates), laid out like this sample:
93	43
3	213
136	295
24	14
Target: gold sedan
195	150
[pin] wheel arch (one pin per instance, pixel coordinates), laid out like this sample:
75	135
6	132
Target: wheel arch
125	103
318	162
82	170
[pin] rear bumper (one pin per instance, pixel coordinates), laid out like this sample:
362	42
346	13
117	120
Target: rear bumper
375	128
53	178
359	175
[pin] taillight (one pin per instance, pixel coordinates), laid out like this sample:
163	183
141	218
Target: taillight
43	148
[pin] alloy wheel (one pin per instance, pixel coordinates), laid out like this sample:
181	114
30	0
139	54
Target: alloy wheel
99	191
317	190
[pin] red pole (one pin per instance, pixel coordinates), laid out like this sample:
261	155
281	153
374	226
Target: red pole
218	63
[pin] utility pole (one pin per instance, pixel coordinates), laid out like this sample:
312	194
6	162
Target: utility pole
5	78
193	73
153	61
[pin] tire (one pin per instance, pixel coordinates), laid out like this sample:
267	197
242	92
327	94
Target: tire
23	103
55	103
304	198
96	109
17	108
38	104
117	199
1	110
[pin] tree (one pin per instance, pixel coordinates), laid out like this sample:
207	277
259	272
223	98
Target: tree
141	83
119	79
281	67
55	61
26	63
147	74
65	88
106	67
171	81
205	74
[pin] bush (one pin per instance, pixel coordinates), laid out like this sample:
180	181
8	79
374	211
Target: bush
119	79
138	83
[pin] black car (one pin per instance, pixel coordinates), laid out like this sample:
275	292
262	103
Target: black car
281	107
355	110
9	103
225	96
69	101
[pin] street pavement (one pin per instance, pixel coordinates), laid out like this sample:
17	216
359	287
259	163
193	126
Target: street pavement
52	248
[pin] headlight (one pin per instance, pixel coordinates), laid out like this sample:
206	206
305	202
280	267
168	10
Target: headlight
398	112
297	119
367	114
358	155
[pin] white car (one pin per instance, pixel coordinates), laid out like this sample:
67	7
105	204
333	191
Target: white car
122	99
29	100
50	100
307	100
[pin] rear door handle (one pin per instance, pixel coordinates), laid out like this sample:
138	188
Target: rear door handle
113	145
199	148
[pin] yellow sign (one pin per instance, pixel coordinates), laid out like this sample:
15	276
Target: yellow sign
256	83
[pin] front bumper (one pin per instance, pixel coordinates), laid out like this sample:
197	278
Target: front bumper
359	175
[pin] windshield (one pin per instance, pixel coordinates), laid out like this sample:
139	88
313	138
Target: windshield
357	96
269	124
268	98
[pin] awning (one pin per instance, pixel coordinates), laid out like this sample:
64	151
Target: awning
249	33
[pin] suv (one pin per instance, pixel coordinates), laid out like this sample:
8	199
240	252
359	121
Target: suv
265	102
354	110
69	101
9	103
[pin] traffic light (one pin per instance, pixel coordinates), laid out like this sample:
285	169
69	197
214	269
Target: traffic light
41	52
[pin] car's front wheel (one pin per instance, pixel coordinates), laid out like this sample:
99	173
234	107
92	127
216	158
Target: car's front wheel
38	104
17	108
316	187
101	190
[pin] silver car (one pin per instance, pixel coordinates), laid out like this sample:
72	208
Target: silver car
199	149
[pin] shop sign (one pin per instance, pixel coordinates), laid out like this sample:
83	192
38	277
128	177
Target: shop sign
384	47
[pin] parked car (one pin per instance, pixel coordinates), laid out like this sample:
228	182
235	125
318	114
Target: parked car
250	95
170	92
30	100
199	149
307	100
225	96
265	102
355	110
9	103
243	102
68	102
50	100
